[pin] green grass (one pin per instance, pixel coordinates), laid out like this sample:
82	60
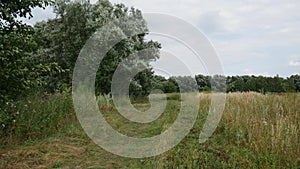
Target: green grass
256	131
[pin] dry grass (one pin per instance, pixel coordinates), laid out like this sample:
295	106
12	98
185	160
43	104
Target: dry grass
268	123
256	131
66	153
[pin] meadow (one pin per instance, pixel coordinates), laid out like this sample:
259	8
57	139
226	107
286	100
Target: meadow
256	131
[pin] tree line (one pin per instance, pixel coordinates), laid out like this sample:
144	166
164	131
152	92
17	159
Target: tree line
244	83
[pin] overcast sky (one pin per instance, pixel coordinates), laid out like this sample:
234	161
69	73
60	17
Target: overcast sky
259	37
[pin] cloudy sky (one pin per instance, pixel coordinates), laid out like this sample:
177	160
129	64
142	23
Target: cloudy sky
259	37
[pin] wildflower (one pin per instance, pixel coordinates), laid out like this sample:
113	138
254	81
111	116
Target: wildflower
14	121
3	125
265	122
17	112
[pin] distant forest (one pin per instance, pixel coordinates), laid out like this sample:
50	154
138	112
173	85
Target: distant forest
244	83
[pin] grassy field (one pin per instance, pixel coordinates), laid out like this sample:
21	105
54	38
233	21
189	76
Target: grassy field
256	131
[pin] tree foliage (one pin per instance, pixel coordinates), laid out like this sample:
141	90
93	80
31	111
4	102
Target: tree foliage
219	83
12	10
19	73
64	37
259	84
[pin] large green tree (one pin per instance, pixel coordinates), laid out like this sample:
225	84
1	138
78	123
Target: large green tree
19	72
64	37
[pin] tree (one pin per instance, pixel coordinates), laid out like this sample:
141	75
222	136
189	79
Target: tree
296	81
203	82
218	83
185	83
10	11
66	35
170	87
18	72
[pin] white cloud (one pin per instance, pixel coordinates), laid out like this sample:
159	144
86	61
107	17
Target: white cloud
247	71
294	63
219	21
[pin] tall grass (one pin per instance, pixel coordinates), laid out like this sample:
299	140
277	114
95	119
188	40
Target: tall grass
37	117
256	131
268	125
